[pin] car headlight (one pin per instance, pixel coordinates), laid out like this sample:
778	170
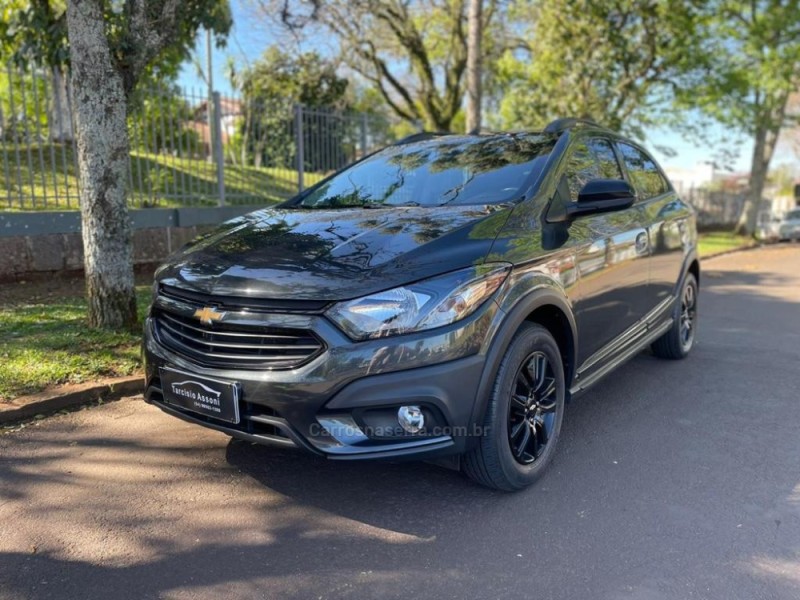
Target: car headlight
419	306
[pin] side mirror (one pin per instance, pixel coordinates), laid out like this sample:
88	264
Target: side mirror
602	195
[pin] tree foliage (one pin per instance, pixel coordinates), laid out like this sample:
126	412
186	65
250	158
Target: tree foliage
271	89
616	62
414	53
754	64
34	32
754	68
306	79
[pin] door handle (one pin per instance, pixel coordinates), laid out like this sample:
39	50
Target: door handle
642	243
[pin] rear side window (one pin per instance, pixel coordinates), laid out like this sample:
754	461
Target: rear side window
590	159
645	176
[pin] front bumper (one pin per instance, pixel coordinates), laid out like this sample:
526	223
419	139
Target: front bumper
330	406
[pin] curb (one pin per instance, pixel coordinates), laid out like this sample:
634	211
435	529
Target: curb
47	402
731	251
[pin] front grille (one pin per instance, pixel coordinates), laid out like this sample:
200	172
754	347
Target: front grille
252	304
235	345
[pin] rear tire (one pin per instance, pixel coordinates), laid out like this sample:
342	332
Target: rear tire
677	342
524	414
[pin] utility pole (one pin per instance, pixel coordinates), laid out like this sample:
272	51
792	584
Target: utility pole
474	71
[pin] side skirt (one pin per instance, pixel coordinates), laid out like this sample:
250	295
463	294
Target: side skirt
628	337
625	354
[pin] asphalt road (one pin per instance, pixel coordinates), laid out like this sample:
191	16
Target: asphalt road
673	480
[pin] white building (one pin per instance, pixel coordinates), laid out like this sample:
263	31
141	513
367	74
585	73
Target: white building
685	179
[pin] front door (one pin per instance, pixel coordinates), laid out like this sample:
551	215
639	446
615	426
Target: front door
611	255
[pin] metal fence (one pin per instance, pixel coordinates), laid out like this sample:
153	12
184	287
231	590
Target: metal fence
715	208
188	148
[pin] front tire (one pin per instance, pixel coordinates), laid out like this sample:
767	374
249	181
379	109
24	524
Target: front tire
677	342
524	414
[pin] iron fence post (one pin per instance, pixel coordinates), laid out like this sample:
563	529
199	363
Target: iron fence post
6	176
300	151
363	134
216	139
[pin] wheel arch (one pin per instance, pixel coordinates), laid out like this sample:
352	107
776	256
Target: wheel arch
550	309
555	320
694	269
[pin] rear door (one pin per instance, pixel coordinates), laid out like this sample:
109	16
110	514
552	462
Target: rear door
611	255
668	223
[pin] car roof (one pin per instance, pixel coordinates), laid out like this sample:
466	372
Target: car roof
555	128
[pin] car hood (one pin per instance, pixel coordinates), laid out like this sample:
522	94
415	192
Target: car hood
333	254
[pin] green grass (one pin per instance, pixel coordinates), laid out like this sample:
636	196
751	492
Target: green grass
43	177
47	343
721	241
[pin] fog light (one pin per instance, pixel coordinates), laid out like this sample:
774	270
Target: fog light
411	418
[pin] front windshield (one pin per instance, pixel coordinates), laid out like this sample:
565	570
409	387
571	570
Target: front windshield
444	170
793	215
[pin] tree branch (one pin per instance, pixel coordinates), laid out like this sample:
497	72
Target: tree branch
151	25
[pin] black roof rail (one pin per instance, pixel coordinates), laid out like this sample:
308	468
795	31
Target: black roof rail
418	137
564	123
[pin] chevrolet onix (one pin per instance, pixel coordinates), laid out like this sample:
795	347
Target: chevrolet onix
442	297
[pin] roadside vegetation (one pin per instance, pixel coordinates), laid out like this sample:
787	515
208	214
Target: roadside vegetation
715	242
45	342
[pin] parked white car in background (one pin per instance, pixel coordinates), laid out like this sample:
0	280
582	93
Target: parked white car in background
790	226
768	228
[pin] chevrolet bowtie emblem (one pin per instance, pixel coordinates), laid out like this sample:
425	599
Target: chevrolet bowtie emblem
208	315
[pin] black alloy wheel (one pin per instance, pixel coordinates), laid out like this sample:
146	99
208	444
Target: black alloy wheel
688	315
523	415
678	340
532	410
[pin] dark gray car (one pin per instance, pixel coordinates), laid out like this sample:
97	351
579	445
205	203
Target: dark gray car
442	297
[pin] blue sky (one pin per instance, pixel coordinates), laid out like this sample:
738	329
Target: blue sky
251	36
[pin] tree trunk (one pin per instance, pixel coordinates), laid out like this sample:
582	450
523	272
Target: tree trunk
258	155
763	149
436	122
767	132
99	105
758	175
474	71
59	120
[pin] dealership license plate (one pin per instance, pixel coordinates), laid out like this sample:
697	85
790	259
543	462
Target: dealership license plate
210	397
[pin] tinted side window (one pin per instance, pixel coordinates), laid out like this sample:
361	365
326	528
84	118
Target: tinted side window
590	159
609	167
645	176
582	167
